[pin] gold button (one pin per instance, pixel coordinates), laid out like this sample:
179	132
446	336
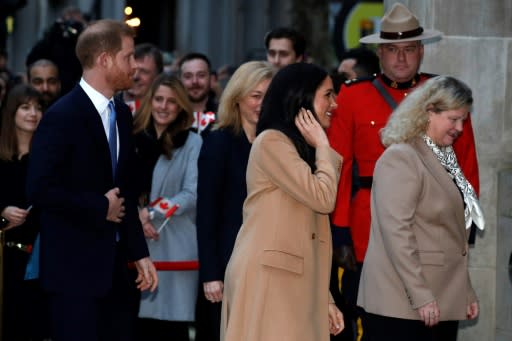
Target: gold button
372	123
313	236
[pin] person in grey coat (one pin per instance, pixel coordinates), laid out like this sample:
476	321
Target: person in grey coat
166	112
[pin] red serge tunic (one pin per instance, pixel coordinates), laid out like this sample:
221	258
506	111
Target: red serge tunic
354	133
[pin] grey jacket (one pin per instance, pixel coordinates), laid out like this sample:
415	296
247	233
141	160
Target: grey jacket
175	179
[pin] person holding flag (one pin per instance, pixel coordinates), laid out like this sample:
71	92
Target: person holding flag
169	221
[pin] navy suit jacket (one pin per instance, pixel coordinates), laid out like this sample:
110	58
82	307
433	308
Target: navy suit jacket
69	173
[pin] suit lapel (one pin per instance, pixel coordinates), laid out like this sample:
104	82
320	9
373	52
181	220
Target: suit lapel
440	174
97	131
124	132
95	127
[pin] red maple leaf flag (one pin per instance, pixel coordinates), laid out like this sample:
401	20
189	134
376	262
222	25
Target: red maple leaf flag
203	120
164	206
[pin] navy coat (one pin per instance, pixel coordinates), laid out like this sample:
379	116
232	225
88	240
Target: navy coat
221	191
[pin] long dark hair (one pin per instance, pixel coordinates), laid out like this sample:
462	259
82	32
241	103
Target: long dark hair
18	95
291	89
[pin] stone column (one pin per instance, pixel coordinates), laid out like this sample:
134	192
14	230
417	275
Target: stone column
504	257
476	48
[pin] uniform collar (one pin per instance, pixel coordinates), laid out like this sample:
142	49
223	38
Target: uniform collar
404	85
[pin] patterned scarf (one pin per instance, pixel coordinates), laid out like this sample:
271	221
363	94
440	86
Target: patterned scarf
446	156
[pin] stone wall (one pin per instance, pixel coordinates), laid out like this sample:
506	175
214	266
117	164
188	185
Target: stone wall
504	258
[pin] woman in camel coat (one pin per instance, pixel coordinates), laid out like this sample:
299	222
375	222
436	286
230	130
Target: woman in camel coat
277	280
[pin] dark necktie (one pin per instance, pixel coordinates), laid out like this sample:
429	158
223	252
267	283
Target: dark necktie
112	136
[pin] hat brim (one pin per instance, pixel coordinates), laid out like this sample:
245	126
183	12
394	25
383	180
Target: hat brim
429	35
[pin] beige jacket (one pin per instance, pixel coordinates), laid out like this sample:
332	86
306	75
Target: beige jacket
277	280
418	249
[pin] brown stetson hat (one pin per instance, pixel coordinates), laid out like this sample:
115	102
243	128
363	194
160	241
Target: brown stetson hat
399	25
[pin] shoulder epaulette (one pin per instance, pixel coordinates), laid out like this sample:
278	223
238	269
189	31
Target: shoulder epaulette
350	82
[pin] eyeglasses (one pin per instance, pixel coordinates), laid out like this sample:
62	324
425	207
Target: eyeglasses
409	49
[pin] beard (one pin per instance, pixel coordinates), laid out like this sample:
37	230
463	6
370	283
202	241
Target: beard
201	96
119	79
48	97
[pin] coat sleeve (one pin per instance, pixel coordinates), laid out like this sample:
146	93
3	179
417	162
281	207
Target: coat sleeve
279	160
395	193
4	184
132	229
472	294
210	184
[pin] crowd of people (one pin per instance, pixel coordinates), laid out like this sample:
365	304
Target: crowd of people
289	203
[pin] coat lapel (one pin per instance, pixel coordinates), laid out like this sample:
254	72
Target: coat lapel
124	127
95	126
440	174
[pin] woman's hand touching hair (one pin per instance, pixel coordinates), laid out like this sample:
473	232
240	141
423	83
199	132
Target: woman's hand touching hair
309	127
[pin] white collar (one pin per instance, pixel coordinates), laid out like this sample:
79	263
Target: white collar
99	101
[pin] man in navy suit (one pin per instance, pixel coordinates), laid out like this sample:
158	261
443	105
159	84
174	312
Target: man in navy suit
83	187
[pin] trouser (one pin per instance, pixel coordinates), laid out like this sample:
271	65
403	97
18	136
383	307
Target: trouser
161	330
383	328
208	317
77	317
344	286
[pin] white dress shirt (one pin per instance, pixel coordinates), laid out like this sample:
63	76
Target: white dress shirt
100	102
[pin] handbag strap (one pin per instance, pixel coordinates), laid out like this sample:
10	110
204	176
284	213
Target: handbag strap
387	97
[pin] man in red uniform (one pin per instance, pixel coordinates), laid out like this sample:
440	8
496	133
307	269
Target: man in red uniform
364	107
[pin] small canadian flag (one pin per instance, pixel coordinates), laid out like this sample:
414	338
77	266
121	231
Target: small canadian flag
202	120
165	207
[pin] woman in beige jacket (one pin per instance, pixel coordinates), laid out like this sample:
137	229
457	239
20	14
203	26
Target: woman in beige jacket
415	283
277	280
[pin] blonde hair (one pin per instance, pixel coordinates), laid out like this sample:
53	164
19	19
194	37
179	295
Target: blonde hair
242	82
410	118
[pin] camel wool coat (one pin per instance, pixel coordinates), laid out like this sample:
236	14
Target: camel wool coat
277	279
418	249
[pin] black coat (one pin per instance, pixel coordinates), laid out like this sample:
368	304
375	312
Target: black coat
221	191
